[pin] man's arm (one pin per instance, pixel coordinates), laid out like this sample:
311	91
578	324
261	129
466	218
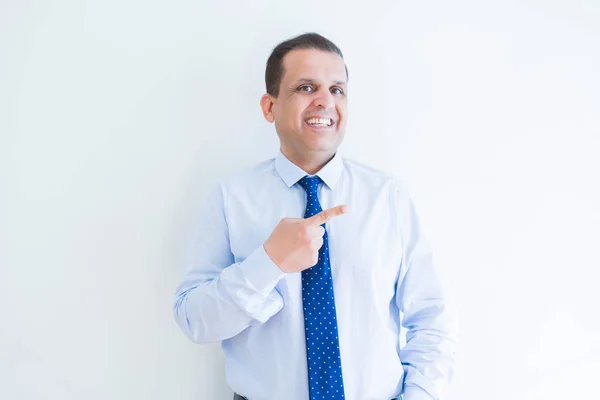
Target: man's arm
217	298
429	354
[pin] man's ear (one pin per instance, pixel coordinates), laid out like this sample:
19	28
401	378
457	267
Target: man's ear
266	103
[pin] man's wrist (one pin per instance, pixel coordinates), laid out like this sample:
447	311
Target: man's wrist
260	272
415	393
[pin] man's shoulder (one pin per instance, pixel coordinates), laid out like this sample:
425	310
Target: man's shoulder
369	173
377	179
248	175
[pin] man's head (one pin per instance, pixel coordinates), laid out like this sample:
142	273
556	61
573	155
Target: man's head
306	78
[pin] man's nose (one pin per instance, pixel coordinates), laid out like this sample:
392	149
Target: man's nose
324	99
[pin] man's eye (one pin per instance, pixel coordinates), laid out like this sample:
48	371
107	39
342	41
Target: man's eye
301	88
339	90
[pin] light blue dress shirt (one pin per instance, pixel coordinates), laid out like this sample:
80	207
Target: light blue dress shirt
383	276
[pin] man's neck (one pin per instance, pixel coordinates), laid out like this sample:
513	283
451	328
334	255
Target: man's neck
310	165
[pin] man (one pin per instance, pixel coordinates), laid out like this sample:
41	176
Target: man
306	265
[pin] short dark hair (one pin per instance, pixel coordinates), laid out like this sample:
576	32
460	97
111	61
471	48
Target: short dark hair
311	40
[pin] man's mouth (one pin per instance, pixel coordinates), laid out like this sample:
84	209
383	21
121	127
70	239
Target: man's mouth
319	122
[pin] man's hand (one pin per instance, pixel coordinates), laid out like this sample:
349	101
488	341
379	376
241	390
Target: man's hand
295	242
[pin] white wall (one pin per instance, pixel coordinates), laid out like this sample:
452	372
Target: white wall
115	117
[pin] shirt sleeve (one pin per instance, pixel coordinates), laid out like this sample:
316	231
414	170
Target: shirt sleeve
217	298
428	357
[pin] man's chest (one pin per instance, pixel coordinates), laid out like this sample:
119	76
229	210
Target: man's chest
363	243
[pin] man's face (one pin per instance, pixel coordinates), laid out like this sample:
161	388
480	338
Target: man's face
310	111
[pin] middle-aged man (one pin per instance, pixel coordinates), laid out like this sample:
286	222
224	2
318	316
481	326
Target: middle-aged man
308	303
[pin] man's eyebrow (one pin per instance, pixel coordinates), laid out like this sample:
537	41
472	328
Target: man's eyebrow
308	80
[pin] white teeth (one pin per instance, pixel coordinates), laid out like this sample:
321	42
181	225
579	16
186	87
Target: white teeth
319	121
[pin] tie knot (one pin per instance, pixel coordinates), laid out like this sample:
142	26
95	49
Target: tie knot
310	183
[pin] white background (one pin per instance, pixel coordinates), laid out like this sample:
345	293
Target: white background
116	116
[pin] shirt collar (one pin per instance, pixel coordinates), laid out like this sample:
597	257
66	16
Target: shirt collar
291	173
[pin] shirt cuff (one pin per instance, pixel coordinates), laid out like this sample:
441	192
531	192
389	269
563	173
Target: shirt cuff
415	393
260	272
251	285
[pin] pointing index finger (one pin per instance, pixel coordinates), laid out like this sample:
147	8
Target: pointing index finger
326	215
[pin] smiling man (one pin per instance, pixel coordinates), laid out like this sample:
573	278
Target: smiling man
308	103
306	265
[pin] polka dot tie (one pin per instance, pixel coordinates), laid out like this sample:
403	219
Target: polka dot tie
320	323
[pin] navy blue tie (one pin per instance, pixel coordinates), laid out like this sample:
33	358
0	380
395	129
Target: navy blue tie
320	322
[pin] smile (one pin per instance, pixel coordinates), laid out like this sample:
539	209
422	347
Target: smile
319	122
